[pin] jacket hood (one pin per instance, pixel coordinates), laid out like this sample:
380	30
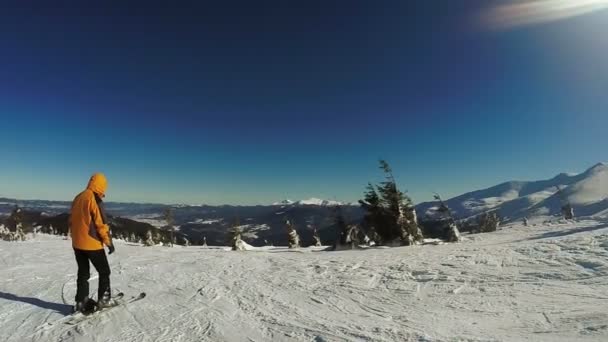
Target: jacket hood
98	184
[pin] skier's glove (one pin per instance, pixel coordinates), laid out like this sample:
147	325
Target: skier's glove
111	249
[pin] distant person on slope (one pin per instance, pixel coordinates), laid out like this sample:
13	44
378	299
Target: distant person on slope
90	232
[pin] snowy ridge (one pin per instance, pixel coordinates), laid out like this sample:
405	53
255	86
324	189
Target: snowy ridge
587	192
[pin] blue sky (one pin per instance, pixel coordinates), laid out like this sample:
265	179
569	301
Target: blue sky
248	103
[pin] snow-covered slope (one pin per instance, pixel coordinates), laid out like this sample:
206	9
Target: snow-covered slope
537	283
587	192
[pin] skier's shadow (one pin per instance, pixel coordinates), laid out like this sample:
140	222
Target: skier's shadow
63	309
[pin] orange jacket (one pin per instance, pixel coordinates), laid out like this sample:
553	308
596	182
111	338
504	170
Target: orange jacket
88	228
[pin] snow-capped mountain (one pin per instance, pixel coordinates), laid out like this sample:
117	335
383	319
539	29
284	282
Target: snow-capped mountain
587	192
318	201
312	201
284	202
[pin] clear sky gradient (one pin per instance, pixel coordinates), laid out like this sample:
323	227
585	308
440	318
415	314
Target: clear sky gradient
253	102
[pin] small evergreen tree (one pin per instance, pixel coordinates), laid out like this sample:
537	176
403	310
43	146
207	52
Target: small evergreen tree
342	229
316	238
149	239
234	238
352	236
451	228
487	222
16	222
158	238
390	211
293	238
566	208
169	227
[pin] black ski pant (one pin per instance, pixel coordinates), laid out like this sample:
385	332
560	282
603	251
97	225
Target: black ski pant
100	262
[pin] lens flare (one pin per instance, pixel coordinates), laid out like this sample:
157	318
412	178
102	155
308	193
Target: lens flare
529	12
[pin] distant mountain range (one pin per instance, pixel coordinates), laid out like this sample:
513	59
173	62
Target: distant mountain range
587	192
260	224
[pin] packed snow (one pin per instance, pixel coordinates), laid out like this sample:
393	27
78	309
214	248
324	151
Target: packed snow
544	282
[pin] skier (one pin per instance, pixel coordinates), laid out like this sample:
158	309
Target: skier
90	232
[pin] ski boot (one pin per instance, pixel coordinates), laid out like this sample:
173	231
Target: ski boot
106	301
87	306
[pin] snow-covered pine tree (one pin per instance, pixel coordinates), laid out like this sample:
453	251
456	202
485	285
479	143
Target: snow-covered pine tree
488	222
375	215
374	238
293	239
158	238
390	211
566	208
525	222
342	229
169	226
17	217
4	233
204	241
316	237
352	236
451	228
568	211
234	238
149	239
186	242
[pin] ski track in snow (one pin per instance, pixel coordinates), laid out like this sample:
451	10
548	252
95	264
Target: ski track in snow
542	283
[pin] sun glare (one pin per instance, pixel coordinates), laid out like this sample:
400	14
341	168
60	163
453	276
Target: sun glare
528	12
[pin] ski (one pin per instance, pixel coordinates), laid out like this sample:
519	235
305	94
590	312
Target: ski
80	317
